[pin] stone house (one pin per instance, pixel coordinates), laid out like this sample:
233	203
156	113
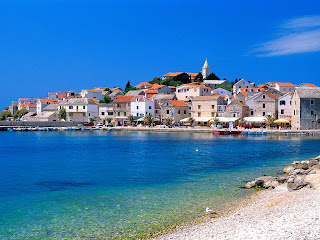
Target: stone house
206	106
283	87
175	110
306	108
241	84
285	106
122	108
187	92
237	109
265	104
159	99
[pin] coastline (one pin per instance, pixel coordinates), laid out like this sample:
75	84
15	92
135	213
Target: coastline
267	214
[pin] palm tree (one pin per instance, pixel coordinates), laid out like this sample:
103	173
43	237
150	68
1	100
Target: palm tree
131	119
216	121
148	120
109	120
191	121
269	120
168	121
242	122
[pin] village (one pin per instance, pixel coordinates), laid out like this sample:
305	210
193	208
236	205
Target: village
177	99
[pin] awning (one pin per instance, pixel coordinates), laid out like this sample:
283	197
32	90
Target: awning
121	117
280	120
197	119
226	119
143	119
255	119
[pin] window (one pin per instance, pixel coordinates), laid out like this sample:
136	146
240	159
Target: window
199	114
149	107
70	107
178	111
312	112
290	103
264	96
124	105
77	107
282	111
212	106
199	106
263	105
110	113
124	114
282	102
118	113
294	112
311	102
84	107
156	111
168	112
137	114
185	111
137	107
263	114
102	113
251	113
212	114
234	115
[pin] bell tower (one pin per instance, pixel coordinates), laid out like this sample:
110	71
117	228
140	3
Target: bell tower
205	70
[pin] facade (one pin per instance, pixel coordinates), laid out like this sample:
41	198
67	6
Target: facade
135	93
79	109
265	104
122	108
174	110
205	70
142	106
159	99
115	94
105	111
52	96
13	107
237	109
285	106
306	108
42	103
241	84
207	106
72	94
86	93
187	92
31	107
283	87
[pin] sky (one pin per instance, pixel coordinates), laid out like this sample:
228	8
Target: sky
57	45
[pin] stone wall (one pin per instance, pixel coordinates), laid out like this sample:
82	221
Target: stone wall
309	118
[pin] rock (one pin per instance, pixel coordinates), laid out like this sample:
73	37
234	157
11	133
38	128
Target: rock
302	165
301	172
282	179
312	162
250	184
288	169
297	184
316	167
313	172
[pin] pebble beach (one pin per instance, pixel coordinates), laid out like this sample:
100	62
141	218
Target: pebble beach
268	214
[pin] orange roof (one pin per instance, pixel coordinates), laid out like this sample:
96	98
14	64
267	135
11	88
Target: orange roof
144	84
287	84
151	91
23	99
178	103
171	74
31	105
172	87
47	101
310	85
64	95
198	86
212	94
94	99
51	93
270	95
117	90
88	90
124	98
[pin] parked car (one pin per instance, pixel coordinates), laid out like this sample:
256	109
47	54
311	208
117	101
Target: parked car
100	124
248	126
110	125
88	124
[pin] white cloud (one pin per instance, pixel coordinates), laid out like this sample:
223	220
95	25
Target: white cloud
304	36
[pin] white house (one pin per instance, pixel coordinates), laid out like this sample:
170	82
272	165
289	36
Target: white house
285	106
221	92
79	109
241	84
283	87
86	93
105	110
71	94
142	106
186	92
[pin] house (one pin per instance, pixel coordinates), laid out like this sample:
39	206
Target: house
187	92
228	98
122	108
136	93
237	109
101	89
161	89
46	116
250	91
221	92
171	75
307	85
285	106
250	102
174	110
159	99
52	95
241	84
79	109
23	101
214	83
283	86
143	85
305	108
42	103
72	94
86	93
31	107
116	93
265	104
207	106
105	111
142	106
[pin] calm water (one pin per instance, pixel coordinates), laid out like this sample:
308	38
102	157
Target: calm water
80	185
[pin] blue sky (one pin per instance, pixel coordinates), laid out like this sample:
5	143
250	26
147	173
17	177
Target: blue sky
53	45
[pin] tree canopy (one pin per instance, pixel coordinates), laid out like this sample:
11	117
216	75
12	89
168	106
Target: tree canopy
107	99
20	113
155	80
5	114
199	77
184	78
62	114
212	76
129	87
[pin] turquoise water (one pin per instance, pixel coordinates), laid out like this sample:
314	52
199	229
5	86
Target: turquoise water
102	185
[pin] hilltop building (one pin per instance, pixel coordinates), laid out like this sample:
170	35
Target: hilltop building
205	70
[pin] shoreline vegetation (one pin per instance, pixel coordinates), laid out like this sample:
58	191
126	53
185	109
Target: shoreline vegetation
286	209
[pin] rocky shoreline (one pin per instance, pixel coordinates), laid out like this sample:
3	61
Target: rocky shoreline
287	210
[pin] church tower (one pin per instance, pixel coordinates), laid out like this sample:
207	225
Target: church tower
205	70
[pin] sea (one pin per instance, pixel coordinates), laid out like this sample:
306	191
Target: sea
128	185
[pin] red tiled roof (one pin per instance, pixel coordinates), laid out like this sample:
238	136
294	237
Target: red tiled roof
144	84
281	84
198	86
270	95
51	93
171	74
31	105
178	103
310	84
116	90
89	90
124	98
47	101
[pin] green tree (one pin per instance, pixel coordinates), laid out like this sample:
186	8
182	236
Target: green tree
62	114
184	78
191	121
148	120
168	121
223	87
212	76
5	114
20	113
107	99
128	84
270	120
155	80
131	119
109	120
130	88
199	77
108	89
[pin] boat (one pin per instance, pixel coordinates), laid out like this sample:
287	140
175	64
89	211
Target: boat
226	132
